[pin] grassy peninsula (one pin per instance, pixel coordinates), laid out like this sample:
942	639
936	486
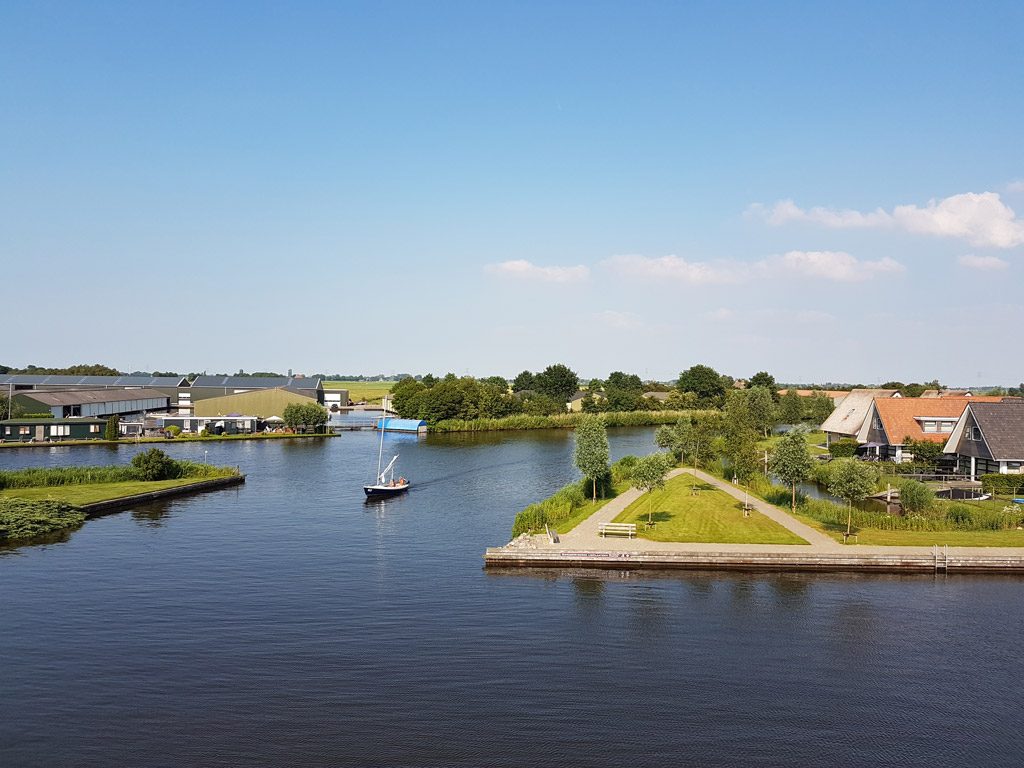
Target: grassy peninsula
36	502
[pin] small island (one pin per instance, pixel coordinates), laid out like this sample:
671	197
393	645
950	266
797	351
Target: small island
38	502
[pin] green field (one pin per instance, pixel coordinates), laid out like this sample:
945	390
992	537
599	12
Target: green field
815	441
370	391
77	495
712	516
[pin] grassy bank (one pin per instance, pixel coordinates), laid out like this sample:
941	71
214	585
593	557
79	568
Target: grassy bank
711	516
557	421
165	440
80	495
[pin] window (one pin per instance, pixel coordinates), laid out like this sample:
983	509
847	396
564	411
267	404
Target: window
7	430
946	426
931	426
974	433
60	430
94	429
24	430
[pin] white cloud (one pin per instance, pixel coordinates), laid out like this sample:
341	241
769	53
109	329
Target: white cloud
524	270
837	266
981	219
987	263
1015	186
676	268
614	319
721	314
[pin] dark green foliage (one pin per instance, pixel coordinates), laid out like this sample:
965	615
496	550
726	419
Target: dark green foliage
45	477
844	449
766	380
924	451
22	519
154	464
561	420
791	407
1003	485
817	408
942	516
623	392
704	382
523	382
557	381
112	431
305	416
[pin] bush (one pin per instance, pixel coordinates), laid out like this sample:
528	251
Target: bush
1003	485
112	432
915	497
843	449
154	464
173	430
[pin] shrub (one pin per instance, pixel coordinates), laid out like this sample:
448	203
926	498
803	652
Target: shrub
112	432
173	430
24	519
154	464
1003	485
844	449
915	497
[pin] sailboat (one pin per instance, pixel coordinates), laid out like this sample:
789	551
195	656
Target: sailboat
385	485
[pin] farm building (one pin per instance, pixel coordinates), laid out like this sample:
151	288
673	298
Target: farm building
262	402
47	430
92	402
205	387
18	382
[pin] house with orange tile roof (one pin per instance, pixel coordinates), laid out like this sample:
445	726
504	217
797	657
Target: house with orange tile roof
845	422
893	422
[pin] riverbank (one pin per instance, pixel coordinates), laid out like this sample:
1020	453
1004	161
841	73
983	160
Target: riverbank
558	421
170	440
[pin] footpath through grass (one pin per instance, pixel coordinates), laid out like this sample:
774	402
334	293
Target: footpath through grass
712	516
79	495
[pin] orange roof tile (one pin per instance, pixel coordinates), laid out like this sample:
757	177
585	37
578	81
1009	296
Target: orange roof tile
898	415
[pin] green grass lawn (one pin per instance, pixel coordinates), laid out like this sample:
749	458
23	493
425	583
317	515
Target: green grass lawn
76	495
586	511
711	516
815	441
370	391
884	538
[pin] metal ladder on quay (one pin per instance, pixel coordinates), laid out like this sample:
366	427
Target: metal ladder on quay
940	558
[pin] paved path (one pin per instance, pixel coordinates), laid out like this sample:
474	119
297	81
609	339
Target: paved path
585	536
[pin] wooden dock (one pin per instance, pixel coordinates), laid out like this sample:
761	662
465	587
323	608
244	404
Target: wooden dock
902	560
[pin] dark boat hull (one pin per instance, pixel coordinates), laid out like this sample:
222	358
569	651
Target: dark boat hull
381	491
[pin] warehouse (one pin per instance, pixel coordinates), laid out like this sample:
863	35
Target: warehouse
92	402
19	382
205	387
262	402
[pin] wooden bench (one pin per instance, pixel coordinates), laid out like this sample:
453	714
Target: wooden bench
850	535
619	529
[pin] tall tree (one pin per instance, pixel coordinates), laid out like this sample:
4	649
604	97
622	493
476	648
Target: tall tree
523	382
791	407
763	413
851	480
766	380
818	407
112	432
591	454
705	382
557	381
791	460
740	436
649	475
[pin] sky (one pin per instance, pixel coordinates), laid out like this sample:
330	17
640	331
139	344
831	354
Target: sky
829	192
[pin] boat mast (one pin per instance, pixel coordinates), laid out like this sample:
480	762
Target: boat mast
380	452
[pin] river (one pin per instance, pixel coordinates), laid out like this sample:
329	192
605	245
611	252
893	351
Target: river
289	622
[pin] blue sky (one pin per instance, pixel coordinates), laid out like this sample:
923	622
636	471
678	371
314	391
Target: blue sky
830	193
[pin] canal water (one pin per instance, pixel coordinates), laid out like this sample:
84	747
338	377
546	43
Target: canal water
289	622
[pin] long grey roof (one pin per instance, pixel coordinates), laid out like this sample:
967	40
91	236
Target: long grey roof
35	380
80	396
849	414
258	382
1002	424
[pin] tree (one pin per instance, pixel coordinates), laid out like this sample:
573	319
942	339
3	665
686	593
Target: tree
402	395
705	382
557	381
766	380
523	382
303	416
112	431
915	497
591	454
791	408
649	475
851	480
791	460
740	437
763	413
818	407
623	391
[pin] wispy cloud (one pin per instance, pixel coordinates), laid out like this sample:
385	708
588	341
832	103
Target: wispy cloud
836	266
982	219
675	268
986	263
521	269
617	320
1015	186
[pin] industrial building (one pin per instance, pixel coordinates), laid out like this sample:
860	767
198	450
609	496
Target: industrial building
205	387
99	403
262	402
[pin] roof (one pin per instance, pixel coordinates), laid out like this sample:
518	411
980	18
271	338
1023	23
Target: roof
849	415
258	382
1002	427
81	396
19	379
900	415
77	420
661	396
402	425
946	393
